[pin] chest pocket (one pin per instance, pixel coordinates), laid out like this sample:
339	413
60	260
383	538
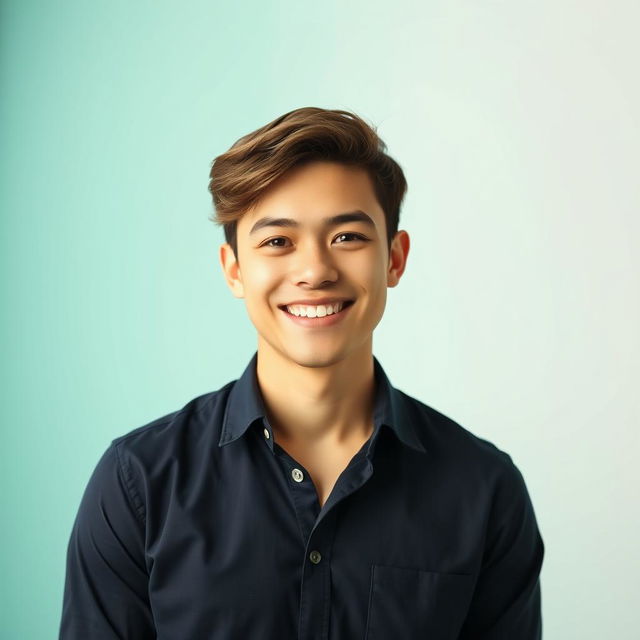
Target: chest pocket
408	604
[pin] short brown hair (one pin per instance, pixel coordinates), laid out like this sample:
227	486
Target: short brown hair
241	175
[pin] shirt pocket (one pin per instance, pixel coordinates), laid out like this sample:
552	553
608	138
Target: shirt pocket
406	603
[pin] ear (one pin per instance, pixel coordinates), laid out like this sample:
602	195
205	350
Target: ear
231	270
397	257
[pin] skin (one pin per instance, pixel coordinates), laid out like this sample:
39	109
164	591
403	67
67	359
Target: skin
317	383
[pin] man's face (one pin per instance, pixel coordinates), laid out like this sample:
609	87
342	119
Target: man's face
298	259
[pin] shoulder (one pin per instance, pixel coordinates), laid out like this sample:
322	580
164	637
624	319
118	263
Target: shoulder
475	467
457	448
194	427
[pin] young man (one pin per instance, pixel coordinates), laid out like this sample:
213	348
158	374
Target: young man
309	498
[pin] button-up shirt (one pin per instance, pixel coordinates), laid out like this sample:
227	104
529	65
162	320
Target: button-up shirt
199	526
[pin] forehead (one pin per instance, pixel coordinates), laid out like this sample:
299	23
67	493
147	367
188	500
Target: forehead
311	192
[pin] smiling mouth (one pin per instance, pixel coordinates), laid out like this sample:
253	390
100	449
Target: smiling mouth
345	305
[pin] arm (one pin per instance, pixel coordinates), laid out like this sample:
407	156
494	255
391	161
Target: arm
506	603
106	586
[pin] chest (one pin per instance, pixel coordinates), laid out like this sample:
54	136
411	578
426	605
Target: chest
232	556
325	473
323	464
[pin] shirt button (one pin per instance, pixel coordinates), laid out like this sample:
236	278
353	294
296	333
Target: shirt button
266	433
315	557
297	475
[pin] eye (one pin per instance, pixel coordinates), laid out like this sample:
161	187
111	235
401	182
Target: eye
268	243
357	236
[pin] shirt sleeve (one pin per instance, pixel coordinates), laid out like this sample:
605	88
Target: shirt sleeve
507	602
106	584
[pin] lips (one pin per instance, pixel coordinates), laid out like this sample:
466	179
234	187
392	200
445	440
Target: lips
319	321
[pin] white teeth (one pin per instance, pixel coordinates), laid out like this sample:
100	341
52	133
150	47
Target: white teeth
318	311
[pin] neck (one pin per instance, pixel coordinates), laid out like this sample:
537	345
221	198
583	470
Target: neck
313	405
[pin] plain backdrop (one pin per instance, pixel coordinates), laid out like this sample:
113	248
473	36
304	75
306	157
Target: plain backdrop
516	124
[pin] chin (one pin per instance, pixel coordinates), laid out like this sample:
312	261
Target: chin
315	359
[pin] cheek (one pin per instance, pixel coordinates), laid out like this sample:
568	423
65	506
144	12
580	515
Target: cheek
259	282
375	280
377	286
259	275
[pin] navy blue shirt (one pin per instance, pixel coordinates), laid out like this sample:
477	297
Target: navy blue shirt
199	526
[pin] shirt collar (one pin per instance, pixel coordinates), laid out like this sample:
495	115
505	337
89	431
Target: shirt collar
245	406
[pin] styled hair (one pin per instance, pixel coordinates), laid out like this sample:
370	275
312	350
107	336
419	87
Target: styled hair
240	176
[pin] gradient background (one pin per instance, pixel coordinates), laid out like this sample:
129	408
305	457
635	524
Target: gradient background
517	126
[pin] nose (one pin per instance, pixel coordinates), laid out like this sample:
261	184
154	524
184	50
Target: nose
313	266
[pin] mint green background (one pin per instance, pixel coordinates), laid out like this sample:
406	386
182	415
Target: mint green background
517	127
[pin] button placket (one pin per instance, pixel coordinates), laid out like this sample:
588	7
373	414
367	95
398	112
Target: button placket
315	594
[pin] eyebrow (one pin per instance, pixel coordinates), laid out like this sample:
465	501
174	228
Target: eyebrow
341	218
